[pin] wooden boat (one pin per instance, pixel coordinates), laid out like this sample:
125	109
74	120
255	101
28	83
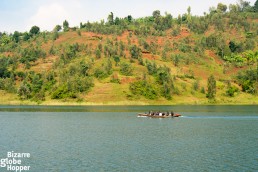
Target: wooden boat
158	116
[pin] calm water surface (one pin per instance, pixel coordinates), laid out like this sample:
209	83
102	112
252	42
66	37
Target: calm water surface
112	138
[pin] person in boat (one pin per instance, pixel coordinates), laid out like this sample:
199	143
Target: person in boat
172	113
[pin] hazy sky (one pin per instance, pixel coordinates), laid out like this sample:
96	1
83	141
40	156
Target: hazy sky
22	14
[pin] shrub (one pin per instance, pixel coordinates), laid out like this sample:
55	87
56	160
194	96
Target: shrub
231	91
126	69
100	73
248	80
24	91
211	87
61	92
135	52
196	85
145	89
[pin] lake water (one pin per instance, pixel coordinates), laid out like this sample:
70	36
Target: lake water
112	138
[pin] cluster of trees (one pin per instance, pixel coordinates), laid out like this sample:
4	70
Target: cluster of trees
73	80
163	85
249	80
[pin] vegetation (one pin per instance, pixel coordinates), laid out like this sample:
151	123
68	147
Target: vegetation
153	59
211	87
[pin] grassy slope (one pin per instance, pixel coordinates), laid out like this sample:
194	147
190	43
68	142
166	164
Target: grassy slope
108	93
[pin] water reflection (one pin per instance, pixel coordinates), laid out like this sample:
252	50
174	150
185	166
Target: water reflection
251	109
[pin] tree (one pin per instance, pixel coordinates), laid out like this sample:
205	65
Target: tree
34	30
234	8
144	88
98	53
189	18
256	6
189	10
135	52
110	18
244	5
117	21
55	35
26	36
129	18
117	59
176	59
222	7
156	14
211	87
66	26
5	39
232	46
126	69
57	28
24	91
16	36
212	10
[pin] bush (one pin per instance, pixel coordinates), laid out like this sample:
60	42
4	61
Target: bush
145	89
196	85
98	53
126	69
248	80
61	92
24	91
152	68
100	73
231	91
211	87
135	52
31	54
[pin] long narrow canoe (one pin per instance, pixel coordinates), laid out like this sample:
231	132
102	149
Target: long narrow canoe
157	116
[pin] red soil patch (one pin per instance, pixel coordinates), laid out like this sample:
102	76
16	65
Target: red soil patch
150	56
214	56
127	80
235	70
184	33
199	73
85	38
124	36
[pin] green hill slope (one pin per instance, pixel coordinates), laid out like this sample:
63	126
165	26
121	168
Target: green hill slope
152	60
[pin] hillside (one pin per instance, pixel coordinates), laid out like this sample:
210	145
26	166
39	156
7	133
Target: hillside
152	60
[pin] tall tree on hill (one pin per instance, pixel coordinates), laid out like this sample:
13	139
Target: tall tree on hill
222	8
66	26
57	28
110	18
256	6
16	36
34	30
234	8
189	16
156	14
211	87
129	18
244	6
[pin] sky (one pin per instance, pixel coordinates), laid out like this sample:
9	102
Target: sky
21	15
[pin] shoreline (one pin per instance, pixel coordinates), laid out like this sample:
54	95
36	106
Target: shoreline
123	104
243	99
